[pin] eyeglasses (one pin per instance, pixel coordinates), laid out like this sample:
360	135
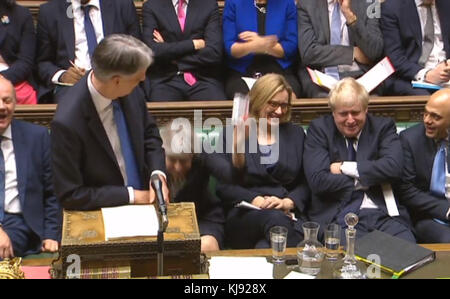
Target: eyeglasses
276	105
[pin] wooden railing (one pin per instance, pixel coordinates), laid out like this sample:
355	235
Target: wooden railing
401	109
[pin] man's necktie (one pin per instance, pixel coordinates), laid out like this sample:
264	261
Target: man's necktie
357	196
335	37
126	146
351	153
2	183
90	31
437	185
428	38
188	77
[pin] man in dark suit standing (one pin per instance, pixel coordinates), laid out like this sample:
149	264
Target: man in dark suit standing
350	159
67	33
30	216
425	185
105	145
338	38
186	37
417	40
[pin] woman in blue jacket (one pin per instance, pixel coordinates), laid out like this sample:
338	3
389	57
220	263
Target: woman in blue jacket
260	37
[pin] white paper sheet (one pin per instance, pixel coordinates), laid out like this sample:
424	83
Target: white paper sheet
130	221
224	267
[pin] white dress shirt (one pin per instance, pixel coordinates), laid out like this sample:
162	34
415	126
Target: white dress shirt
12	202
104	109
175	5
350	168
437	54
82	58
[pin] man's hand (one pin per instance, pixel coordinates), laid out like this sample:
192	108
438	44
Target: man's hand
49	245
72	75
141	197
165	190
157	37
346	8
6	249
360	56
199	44
438	75
335	168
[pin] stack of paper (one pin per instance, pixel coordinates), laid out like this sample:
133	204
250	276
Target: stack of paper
370	80
130	221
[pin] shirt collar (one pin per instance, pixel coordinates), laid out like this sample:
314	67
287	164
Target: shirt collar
420	3
76	4
7	134
175	2
100	102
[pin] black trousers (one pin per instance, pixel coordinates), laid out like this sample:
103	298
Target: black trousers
176	89
235	84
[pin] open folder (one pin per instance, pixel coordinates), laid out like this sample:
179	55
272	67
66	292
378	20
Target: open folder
370	80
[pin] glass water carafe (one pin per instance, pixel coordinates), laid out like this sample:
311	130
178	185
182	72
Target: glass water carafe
310	252
349	267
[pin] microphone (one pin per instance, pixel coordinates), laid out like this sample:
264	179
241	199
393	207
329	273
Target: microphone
156	183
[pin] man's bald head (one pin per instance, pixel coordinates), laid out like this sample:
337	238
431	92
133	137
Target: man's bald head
436	117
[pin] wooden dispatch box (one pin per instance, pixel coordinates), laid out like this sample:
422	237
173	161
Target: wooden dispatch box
83	235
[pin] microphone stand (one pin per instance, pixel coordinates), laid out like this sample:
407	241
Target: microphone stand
163	222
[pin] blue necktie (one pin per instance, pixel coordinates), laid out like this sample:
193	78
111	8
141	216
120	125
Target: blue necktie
127	148
437	185
90	31
335	38
351	153
2	183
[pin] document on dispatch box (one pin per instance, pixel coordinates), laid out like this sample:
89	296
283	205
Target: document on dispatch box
130	221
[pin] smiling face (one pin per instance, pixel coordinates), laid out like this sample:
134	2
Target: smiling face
350	119
276	107
7	104
436	117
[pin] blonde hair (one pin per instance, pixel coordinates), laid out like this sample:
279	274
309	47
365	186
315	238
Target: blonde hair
264	89
347	92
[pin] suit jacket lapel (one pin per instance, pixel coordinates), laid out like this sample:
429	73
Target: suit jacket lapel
363	150
191	15
95	124
68	29
322	12
414	21
20	152
108	14
443	8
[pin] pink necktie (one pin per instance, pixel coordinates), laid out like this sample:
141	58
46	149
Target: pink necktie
188	77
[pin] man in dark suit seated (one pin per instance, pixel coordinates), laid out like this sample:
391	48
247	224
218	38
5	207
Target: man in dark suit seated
186	38
105	145
67	34
417	40
350	159
338	38
425	185
30	216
